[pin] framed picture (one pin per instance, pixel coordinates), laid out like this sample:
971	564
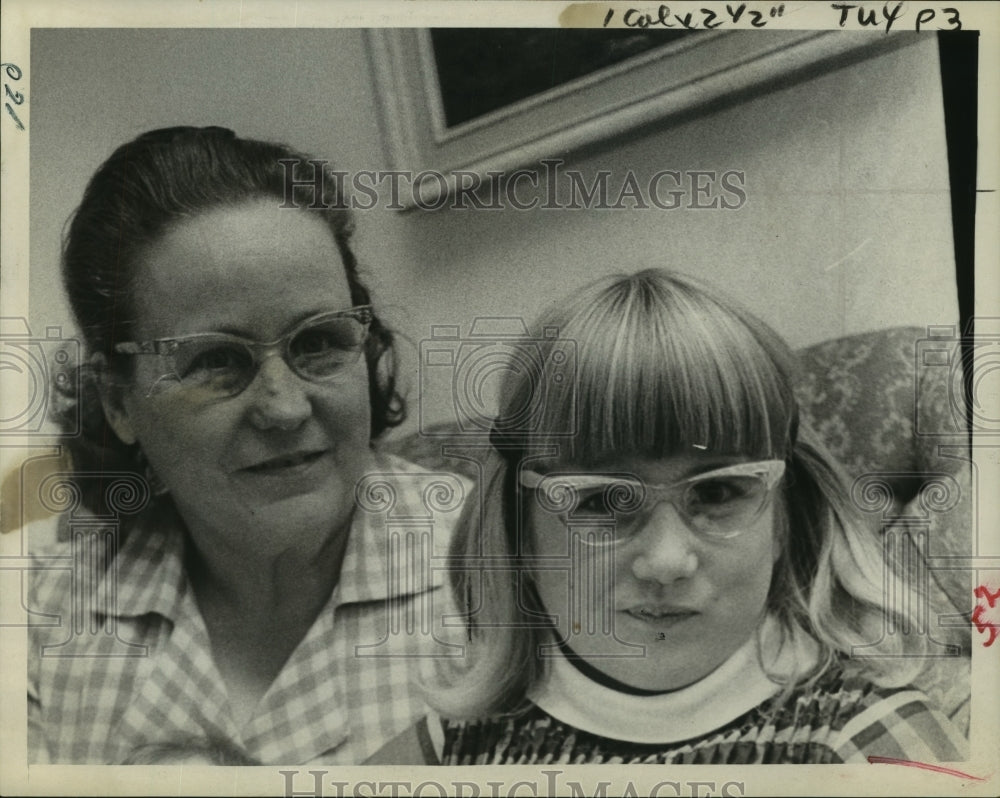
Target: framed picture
457	105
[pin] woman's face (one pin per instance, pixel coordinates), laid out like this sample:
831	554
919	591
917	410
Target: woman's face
667	605
275	465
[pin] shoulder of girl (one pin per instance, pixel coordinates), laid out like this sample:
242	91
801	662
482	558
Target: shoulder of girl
420	744
898	723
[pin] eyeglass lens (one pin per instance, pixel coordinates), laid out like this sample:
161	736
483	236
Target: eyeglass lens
716	505
224	365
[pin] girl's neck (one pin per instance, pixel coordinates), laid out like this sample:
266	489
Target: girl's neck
600	677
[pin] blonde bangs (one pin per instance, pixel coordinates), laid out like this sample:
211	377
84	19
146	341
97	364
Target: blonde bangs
661	367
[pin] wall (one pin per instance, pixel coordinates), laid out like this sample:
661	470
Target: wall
846	228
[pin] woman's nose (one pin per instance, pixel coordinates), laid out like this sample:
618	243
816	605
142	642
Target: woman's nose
664	548
278	396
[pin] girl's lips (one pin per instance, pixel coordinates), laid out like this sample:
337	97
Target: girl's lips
658	616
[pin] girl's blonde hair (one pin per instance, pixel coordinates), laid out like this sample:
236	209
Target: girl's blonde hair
649	365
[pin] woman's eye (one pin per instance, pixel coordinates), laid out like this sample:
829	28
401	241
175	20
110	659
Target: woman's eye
324	340
220	358
314	342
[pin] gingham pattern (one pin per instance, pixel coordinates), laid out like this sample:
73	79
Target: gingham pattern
154	682
840	719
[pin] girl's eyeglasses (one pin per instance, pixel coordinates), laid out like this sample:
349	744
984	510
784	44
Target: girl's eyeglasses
718	504
211	366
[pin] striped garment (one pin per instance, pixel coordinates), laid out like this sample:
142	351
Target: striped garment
839	719
120	667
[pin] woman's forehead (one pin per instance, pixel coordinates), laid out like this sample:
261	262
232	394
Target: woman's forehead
251	269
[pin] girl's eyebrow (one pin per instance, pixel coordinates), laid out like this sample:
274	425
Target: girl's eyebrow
689	473
714	465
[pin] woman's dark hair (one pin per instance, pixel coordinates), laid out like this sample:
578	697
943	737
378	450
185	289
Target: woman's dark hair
146	186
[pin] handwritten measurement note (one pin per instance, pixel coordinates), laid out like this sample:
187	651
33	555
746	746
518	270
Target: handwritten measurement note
13	72
857	16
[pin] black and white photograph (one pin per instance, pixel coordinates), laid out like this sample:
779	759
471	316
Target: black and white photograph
648	443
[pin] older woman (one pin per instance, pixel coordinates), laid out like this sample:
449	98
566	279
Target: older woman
234	360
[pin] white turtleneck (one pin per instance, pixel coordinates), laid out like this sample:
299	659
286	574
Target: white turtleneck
738	685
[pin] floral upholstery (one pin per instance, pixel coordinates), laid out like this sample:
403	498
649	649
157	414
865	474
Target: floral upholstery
888	405
877	409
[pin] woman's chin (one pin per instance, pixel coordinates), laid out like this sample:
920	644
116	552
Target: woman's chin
304	522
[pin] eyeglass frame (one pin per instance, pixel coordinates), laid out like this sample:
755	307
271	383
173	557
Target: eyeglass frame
259	350
770	472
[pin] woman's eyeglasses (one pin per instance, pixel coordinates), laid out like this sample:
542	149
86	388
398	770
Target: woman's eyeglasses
220	365
718	504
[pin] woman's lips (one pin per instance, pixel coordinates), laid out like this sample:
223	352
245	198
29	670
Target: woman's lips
290	475
285	463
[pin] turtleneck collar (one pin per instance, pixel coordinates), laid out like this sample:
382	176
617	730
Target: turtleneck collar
738	685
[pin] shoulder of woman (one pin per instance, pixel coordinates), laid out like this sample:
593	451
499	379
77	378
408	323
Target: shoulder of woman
49	571
42	536
442	494
898	723
52	563
46	589
395	464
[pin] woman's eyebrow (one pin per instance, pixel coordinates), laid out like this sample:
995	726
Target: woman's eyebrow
240	332
207	329
311	314
225	329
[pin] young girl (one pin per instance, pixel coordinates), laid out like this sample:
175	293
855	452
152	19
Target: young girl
664	566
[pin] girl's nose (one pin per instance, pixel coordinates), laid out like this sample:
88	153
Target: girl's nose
664	547
278	396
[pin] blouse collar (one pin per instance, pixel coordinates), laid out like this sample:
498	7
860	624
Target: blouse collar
148	573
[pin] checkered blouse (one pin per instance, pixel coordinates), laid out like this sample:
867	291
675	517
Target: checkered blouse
120	663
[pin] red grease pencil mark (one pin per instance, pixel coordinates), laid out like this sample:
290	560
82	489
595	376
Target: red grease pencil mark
983	592
888	760
990	627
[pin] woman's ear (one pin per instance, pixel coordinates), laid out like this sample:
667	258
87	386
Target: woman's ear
112	400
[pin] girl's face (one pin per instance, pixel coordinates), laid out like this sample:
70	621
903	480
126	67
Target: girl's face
682	586
273	466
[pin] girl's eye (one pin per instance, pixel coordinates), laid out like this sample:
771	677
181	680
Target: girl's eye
717	492
594	503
